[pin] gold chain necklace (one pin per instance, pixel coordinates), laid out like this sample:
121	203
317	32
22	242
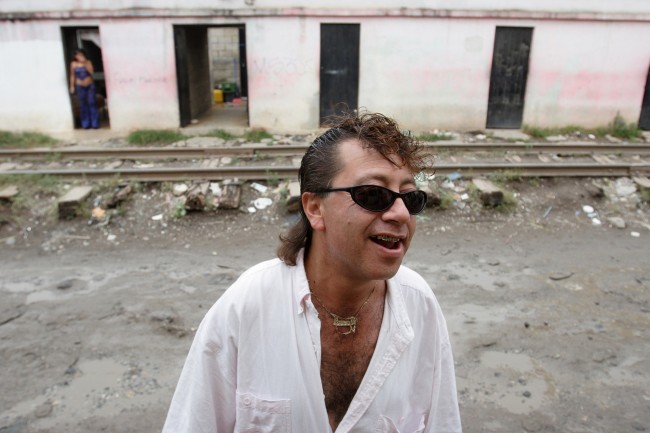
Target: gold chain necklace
349	322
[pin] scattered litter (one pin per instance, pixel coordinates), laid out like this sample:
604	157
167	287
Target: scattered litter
447	184
595	221
252	210
262	203
464	196
548	211
453	176
259	187
557	276
215	188
624	186
635	234
98	212
158	217
617	222
587	209
111	238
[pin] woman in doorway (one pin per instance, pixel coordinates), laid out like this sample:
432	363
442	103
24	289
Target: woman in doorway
81	79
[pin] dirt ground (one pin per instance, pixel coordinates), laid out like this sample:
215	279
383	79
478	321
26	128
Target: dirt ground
549	313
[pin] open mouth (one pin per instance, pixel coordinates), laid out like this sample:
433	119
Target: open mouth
385	241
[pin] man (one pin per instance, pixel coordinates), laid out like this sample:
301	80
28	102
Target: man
335	335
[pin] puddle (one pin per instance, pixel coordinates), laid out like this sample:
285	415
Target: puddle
523	386
43	295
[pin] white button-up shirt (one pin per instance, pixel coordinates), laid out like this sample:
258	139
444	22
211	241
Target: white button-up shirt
254	365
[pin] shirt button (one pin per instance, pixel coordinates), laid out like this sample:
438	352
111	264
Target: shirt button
247	401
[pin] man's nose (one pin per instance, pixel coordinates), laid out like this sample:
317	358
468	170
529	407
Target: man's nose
397	212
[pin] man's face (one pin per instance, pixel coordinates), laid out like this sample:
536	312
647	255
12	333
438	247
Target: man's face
361	244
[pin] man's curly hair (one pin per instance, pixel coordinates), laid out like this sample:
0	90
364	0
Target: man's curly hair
321	163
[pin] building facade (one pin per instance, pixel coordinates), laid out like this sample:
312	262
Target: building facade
493	63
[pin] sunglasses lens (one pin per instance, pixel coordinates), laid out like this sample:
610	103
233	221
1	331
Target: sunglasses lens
373	198
415	201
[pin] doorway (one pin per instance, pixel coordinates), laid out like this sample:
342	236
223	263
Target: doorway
508	77
88	39
644	118
212	76
339	68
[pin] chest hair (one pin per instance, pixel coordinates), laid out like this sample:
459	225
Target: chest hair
345	359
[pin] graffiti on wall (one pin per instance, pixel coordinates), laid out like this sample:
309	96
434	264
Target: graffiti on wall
284	65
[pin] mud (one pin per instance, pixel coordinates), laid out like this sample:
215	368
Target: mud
549	316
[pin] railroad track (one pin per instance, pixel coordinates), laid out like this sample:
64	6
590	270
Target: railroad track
599	166
157	153
467	170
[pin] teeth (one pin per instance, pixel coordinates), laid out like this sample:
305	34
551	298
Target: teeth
387	238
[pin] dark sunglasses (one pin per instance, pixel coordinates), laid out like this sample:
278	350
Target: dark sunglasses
378	199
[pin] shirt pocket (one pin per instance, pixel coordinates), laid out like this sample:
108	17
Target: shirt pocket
408	424
257	415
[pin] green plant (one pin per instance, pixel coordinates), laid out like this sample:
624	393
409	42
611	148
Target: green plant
504	176
178	210
435	137
536	131
284	193
31	190
25	139
154	136
220	133
256	135
446	199
272	178
624	130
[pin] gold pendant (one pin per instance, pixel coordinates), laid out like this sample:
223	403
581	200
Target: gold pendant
350	322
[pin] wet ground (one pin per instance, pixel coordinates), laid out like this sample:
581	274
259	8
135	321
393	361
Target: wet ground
549	314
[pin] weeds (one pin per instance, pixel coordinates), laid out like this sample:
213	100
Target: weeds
220	133
256	135
505	176
31	189
435	137
617	128
178	210
154	136
272	178
509	203
25	139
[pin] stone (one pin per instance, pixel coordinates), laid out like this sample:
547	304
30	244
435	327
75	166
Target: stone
556	138
43	410
69	204
293	199
490	194
557	276
624	187
612	139
205	142
617	222
642	182
8	192
509	134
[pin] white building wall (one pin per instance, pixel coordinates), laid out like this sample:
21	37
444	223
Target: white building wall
600	6
34	89
283	56
427	73
583	73
140	71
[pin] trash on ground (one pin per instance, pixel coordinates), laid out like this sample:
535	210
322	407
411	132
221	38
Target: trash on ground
259	187
262	203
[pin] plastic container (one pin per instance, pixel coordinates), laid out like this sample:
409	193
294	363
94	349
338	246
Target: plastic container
218	95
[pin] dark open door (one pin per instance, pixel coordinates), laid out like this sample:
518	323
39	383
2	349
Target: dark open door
339	68
182	75
508	77
644	119
243	71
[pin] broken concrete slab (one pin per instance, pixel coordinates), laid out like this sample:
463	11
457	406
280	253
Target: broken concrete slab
8	192
230	196
509	134
642	182
490	194
293	199
68	205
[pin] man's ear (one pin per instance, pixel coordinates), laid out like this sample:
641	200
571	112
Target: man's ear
312	205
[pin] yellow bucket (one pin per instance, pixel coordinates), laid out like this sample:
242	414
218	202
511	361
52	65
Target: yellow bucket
218	95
